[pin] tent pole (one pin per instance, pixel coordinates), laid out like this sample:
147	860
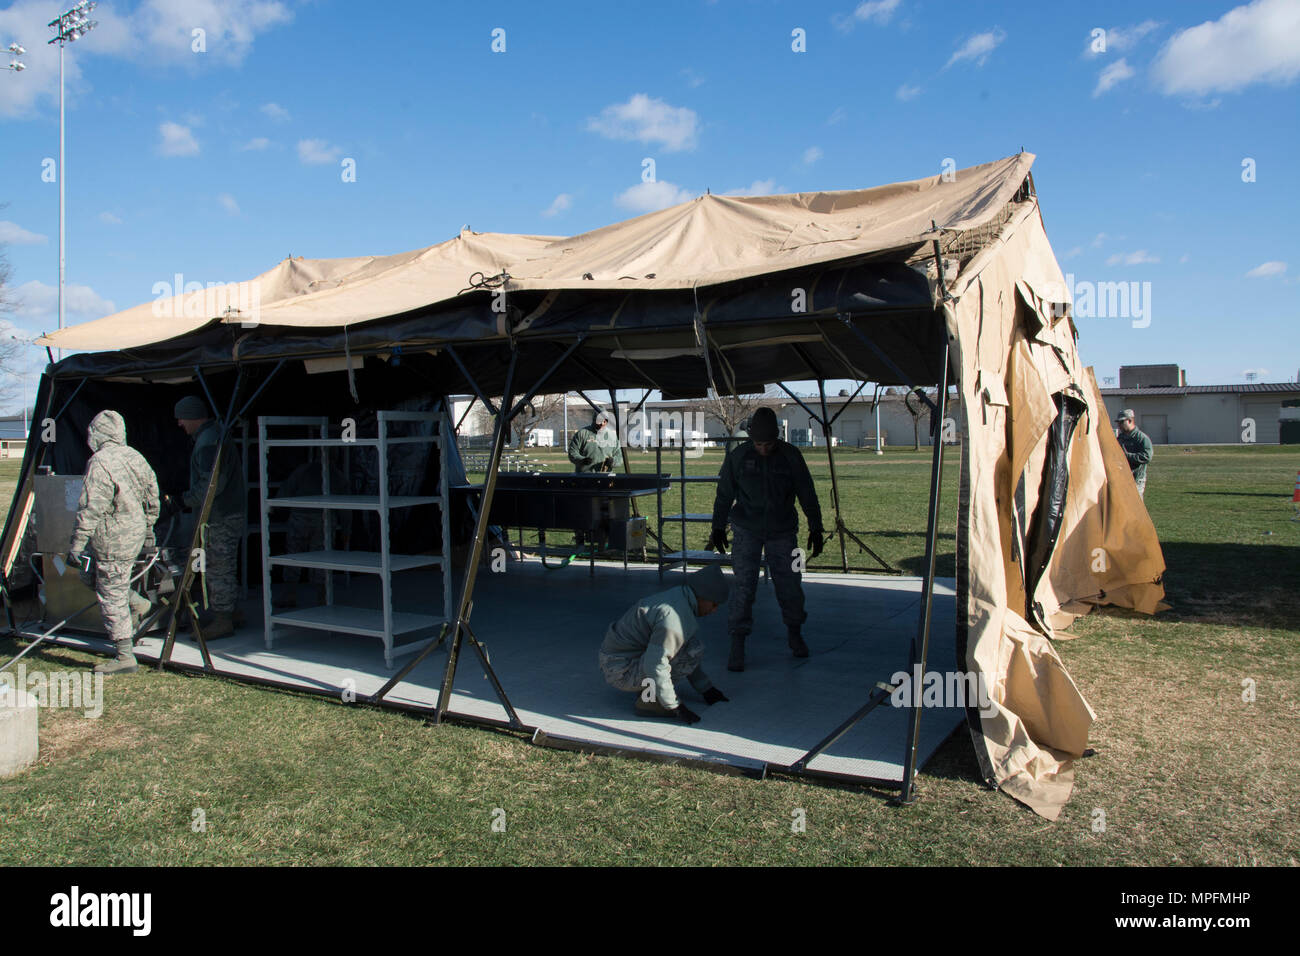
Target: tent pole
453	626
835	485
471	566
921	649
889	363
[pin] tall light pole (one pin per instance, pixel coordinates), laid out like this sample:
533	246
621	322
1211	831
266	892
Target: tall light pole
67	26
16	64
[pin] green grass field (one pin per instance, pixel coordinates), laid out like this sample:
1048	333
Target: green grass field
1185	771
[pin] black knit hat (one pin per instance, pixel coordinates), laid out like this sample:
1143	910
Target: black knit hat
762	425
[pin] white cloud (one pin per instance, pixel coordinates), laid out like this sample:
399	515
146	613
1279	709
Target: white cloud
649	197
1267	269
693	79
978	47
1139	258
837	116
759	187
317	151
648	120
36	303
1113	75
878	11
15	235
257	142
812	154
156	32
1099	239
108	219
1255	43
1119	39
176	140
276	112
228	204
907	93
1076	251
559	204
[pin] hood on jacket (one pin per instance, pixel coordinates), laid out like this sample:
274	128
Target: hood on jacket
106	428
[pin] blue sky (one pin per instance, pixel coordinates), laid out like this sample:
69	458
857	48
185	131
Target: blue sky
219	163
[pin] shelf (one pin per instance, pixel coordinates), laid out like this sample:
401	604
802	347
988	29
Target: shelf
698	557
352	502
367	622
361	561
348	443
689	516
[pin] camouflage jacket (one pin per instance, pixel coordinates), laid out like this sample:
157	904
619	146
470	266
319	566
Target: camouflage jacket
763	491
119	500
231	496
655	629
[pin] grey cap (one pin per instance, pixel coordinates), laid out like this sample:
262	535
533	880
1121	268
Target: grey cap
600	417
709	584
1125	416
193	408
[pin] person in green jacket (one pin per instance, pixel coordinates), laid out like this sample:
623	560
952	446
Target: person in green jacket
757	487
654	643
593	447
227	519
1137	448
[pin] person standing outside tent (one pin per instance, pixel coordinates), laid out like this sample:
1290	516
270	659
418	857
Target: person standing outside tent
115	518
592	447
654	644
762	477
227	519
1137	448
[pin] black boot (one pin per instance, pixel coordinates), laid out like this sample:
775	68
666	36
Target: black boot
736	658
795	640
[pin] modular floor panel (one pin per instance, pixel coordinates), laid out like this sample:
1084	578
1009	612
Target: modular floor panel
542	628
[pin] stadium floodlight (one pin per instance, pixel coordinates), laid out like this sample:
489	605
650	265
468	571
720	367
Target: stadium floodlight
16	64
70	25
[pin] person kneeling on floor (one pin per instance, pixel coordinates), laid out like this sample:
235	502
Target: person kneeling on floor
654	644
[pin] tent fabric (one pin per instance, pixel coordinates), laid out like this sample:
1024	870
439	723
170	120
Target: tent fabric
713	278
1016	354
707	241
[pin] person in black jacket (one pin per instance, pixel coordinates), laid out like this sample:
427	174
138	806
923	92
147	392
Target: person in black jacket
757	487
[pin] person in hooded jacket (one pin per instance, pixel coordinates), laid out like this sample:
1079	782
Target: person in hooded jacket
115	519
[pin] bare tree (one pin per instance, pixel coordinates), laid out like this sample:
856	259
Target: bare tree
531	416
915	401
733	410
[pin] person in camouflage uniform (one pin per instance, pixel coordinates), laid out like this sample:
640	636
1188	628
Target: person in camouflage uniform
115	519
762	478
227	519
1136	447
593	447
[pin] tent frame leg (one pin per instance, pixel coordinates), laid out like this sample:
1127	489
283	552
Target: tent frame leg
921	644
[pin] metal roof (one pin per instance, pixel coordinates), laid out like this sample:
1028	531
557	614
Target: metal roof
1252	388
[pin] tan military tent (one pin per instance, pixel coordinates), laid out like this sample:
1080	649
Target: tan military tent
945	279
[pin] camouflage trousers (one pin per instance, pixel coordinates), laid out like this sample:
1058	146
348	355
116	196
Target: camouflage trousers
220	541
627	673
306	533
748	551
113	591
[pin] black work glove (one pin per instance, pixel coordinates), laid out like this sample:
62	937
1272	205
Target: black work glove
718	541
686	715
816	541
609	464
714	696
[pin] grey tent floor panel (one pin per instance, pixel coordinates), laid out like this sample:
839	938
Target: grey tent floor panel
542	628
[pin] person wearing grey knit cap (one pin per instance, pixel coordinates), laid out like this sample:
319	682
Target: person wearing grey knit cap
758	485
654	644
227	518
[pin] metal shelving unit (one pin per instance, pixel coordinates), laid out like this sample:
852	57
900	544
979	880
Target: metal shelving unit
384	622
685	556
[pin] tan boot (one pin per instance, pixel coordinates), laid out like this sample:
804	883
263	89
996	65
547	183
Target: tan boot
216	625
124	663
